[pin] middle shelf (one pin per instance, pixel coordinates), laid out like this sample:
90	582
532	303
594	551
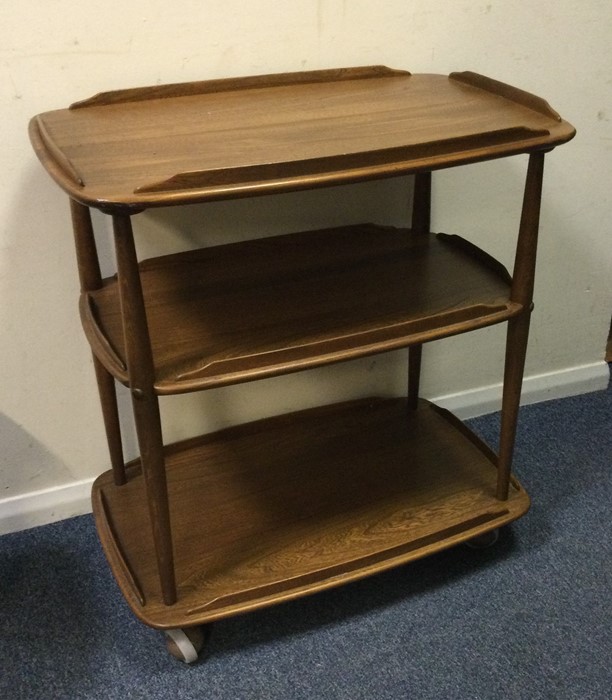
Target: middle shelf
242	311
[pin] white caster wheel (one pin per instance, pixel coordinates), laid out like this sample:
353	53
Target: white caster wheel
487	539
186	644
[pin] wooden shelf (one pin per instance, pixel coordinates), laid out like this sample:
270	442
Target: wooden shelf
243	311
191	142
295	504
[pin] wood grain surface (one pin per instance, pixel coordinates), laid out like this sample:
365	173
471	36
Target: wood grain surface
243	311
175	144
294	504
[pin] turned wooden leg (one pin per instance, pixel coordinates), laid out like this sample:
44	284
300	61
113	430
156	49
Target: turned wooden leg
150	442
90	278
518	327
415	353
516	349
110	414
145	402
421	224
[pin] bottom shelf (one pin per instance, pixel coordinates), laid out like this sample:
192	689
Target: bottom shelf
291	505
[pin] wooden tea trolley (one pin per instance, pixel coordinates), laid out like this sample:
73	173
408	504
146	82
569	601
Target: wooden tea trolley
285	506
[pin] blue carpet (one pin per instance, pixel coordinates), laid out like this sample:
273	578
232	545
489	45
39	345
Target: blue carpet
528	619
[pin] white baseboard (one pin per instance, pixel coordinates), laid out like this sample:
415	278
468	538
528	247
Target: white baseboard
539	387
45	506
65	501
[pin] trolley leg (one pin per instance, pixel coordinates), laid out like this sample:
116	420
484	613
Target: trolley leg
415	353
516	350
90	279
518	327
110	413
145	402
150	442
421	224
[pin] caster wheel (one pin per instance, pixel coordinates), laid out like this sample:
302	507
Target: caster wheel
487	539
186	644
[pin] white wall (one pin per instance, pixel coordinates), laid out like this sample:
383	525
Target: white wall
55	52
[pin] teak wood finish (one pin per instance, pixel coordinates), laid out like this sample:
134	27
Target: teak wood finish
375	490
290	505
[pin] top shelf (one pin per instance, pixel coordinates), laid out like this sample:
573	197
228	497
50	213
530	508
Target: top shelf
194	142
